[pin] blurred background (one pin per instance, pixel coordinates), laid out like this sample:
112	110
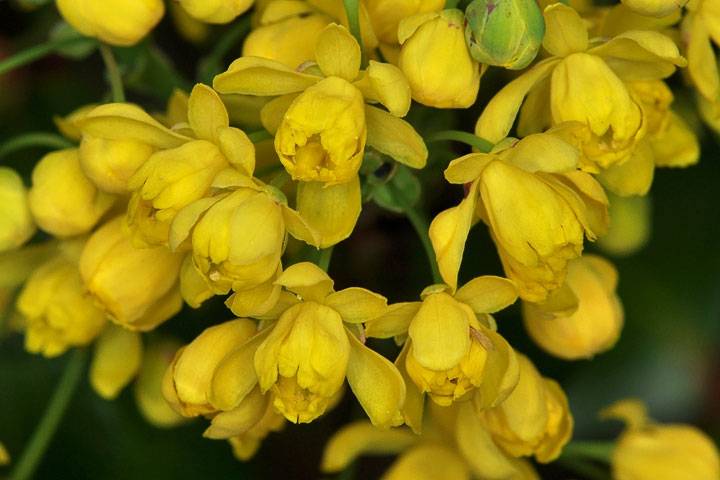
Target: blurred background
667	355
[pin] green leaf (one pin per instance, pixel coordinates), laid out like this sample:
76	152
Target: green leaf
76	50
400	192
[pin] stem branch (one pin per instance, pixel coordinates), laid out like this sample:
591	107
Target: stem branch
118	94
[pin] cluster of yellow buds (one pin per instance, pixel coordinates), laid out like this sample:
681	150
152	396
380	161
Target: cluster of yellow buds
149	212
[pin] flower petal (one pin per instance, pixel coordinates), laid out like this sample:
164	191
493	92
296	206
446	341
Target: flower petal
468	167
677	147
307	280
565	32
333	210
117	358
299	228
385	83
206	113
487	294
376	383
186	218
634	177
260	76
240	419
395	321
357	305
237	148
558	156
414	405
502	372
273	112
429	462
395	137
337	52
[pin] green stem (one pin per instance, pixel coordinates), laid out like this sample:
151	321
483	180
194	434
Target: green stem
420	224
267	170
458	136
593	450
353	14
586	469
34	139
37	52
118	94
280	180
451	4
324	260
212	64
50	421
259	136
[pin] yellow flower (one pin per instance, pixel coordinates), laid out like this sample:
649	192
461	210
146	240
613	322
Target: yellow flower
654	8
595	324
436	61
647	450
216	11
16	224
4	455
137	288
174	178
328	148
62	200
584	81
453	348
148	385
700	29
303	358
630	228
116	360
534	419
536	204
117	22
57	313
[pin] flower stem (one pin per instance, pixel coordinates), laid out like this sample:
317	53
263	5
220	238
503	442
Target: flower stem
458	136
35	53
585	468
30	459
280	180
324	260
118	94
34	139
213	63
353	14
259	136
592	450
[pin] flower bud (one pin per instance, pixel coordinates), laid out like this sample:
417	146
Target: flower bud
16	224
594	327
116	360
62	200
436	61
57	312
215	11
137	288
117	22
504	33
148	385
110	163
654	8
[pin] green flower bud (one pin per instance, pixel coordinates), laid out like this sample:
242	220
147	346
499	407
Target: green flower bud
505	33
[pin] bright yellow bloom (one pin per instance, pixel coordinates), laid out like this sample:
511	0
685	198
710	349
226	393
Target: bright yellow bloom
57	313
216	11
117	22
453	348
116	360
62	200
630	228
148	384
303	358
436	61
654	8
647	450
16	224
534	419
137	288
584	81
536	204
328	148
700	29
594	326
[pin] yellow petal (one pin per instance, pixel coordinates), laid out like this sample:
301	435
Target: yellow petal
362	438
502	372
357	305
385	83
395	137
122	121
558	155
630	410
440	332
702	65
237	148
255	301
429	462
677	147
148	392
193	288
468	167
206	113
117	358
332	210
337	52
414	405
186	219
633	177
395	321
273	112
448	233
376	383
260	76
299	228
240	419
307	280
487	294
565	32
499	115
235	377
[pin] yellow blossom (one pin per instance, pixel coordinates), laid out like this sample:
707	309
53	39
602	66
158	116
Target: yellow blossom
436	61
700	29
595	324
215	11
654	8
116	360
137	288
117	22
148	384
648	450
16	224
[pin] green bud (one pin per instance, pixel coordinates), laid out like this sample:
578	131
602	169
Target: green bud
504	33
